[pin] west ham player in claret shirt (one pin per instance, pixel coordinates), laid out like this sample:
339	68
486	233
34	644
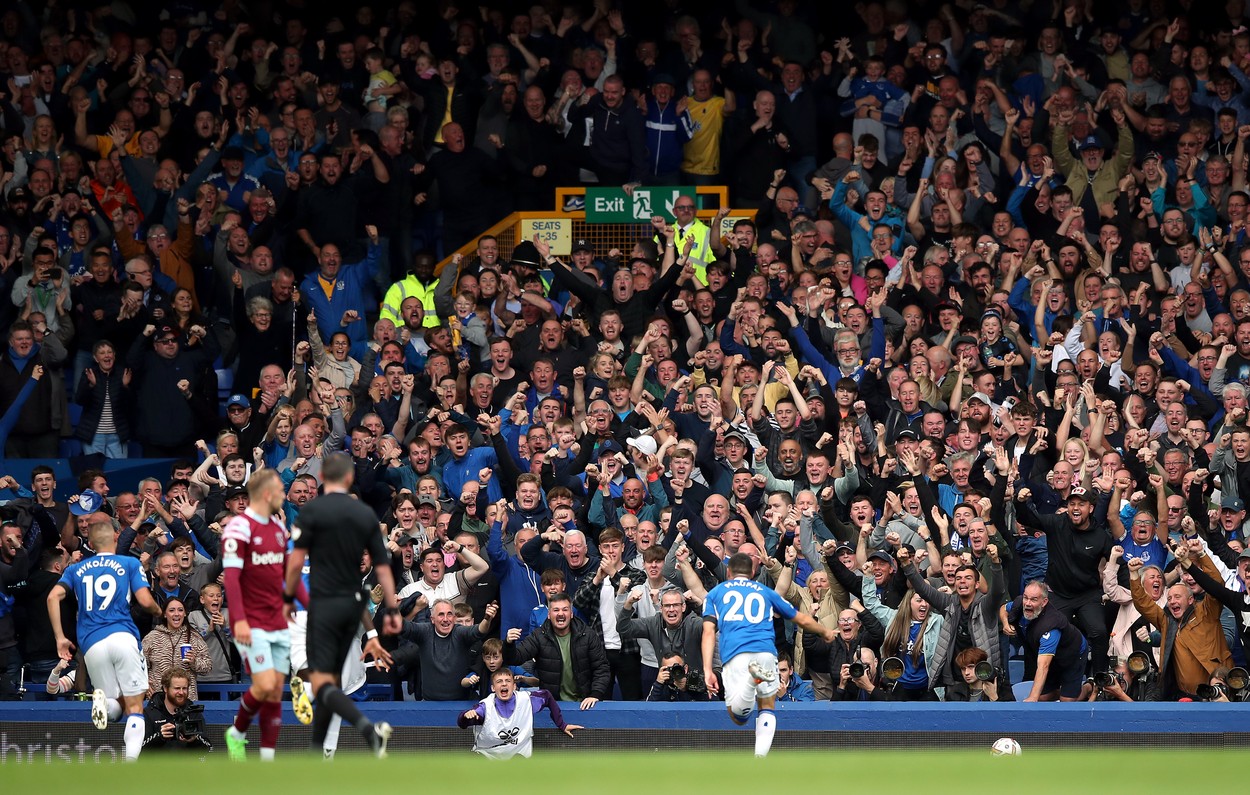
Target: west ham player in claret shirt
254	557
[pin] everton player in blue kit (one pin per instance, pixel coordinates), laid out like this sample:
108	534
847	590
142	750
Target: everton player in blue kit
103	585
742	610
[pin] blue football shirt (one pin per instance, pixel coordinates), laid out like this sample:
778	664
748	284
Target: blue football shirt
103	585
743	610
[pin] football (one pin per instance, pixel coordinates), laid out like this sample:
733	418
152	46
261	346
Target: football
1005	746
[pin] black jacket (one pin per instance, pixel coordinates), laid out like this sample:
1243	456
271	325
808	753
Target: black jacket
156	384
590	660
155	716
91	398
838	653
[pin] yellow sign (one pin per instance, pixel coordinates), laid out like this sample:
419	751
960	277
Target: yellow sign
558	232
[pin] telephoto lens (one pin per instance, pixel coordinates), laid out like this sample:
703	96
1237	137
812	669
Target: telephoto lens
857	670
1103	679
985	671
1210	692
892	669
1237	679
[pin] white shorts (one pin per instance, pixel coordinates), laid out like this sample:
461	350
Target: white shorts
739	686
298	632
116	666
270	650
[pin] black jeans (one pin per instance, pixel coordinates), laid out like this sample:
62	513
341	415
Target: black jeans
626	672
1087	613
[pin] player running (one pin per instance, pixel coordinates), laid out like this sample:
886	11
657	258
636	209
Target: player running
103	585
254	559
335	530
742	609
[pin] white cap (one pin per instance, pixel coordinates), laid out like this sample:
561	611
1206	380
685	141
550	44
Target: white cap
644	444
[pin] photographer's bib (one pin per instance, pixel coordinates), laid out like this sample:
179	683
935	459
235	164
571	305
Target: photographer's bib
503	738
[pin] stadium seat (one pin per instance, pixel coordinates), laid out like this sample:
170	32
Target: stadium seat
1015	670
225	380
1021	690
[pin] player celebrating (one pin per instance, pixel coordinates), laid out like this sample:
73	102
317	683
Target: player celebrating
254	556
335	530
103	585
743	610
504	723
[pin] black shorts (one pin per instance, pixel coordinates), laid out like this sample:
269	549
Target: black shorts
333	622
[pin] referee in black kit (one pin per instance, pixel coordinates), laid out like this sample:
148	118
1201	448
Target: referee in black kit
335	529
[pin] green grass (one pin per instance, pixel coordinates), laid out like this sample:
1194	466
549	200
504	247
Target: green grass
1108	770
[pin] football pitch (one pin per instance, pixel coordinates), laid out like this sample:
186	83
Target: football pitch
1107	770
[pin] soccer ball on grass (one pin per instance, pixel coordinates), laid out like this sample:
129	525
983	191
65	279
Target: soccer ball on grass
1005	746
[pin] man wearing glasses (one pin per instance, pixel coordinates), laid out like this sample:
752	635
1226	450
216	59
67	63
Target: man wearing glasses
157	288
690	228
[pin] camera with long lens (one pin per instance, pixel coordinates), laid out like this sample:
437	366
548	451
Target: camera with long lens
985	671
1211	692
857	670
1238	681
1104	679
695	683
891	669
189	721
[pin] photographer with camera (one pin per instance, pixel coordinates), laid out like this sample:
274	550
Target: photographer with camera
1226	685
980	680
173	721
1131	679
675	681
857	679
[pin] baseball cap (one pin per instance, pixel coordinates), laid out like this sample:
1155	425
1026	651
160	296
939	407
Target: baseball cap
981	396
238	400
164	331
879	555
426	499
739	435
19	195
802	210
1152	156
582	244
87	502
841	546
1080	493
1232	503
1245	555
964	340
906	433
662	77
609	448
235	491
643	444
951	305
232	153
1089	142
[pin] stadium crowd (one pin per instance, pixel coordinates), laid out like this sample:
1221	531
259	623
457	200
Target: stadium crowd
971	385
